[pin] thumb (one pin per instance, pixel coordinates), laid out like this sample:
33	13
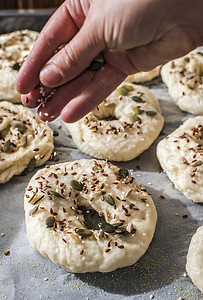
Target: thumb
74	57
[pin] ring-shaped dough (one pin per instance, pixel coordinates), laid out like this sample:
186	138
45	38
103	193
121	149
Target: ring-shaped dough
15	47
122	126
55	201
181	157
25	140
184	79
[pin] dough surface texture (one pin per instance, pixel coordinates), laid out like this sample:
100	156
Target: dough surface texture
142	77
184	78
15	47
181	157
194	265
122	126
25	140
61	202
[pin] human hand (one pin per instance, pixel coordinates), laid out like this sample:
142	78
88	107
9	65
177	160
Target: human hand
133	35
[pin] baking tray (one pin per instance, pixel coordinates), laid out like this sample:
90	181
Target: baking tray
159	274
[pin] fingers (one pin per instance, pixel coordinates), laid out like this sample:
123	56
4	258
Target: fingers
74	57
39	95
102	84
52	109
59	29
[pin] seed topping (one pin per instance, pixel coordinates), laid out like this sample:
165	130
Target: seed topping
50	221
76	185
109	199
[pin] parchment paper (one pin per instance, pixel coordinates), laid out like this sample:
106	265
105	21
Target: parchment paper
159	274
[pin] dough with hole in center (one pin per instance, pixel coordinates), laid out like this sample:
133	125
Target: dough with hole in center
184	78
122	126
25	140
181	157
194	265
14	48
59	196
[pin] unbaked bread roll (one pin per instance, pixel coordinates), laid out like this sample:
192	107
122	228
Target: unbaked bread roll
14	48
88	216
184	78
181	157
194	265
122	126
25	140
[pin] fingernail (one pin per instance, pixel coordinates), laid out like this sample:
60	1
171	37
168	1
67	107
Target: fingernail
50	75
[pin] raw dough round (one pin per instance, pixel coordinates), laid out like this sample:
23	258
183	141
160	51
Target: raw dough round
14	48
62	201
194	265
25	140
181	157
122	126
184	78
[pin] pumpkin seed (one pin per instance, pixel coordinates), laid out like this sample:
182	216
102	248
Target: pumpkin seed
137	110
120	230
106	227
84	232
50	221
76	185
85	224
124	90
123	173
7	146
190	86
23	141
31	165
20	127
120	235
151	113
4	132
134	118
200	53
128	87
136	99
54	193
115	225
16	66
96	64
109	199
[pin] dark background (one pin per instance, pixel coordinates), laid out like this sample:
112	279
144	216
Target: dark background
23	4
